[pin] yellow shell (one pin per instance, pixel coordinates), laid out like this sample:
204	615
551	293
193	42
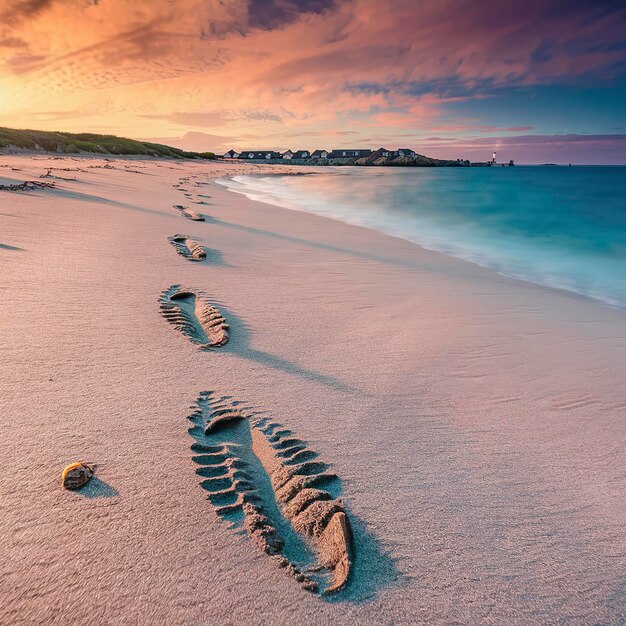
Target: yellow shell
75	475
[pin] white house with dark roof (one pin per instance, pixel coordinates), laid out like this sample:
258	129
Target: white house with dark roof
319	154
260	154
231	154
381	152
288	154
348	153
301	154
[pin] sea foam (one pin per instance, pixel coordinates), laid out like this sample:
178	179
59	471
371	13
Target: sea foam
555	226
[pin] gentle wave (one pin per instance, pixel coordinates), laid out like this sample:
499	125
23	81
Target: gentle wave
559	227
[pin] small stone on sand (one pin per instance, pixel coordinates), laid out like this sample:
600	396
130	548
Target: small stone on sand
76	475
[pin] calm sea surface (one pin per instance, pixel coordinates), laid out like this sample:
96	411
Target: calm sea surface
562	227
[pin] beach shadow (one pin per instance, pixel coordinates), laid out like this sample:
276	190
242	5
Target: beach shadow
6	246
87	197
240	344
325	246
97	488
214	258
372	568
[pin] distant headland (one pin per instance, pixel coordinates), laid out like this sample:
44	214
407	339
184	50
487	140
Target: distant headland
402	157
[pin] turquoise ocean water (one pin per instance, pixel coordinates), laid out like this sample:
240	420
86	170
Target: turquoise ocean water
562	227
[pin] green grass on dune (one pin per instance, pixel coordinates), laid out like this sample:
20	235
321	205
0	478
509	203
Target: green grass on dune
71	143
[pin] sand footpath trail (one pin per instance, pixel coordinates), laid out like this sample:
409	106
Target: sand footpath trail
475	422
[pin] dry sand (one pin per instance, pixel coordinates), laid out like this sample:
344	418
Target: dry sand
477	422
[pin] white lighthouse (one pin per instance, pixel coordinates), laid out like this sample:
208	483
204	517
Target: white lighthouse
493	160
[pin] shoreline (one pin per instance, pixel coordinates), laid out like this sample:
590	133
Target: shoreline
462	255
475	420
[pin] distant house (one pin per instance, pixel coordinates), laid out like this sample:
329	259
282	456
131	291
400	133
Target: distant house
259	154
319	154
287	155
231	154
405	152
301	154
381	152
348	154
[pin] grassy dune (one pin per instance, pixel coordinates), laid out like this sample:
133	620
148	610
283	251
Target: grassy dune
89	143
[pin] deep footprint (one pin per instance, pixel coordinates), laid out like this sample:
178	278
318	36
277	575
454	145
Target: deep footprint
190	311
260	477
190	214
187	247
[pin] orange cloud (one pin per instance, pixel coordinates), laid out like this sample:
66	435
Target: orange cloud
265	68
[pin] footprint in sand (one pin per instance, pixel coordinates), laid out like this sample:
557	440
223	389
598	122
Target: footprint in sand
190	214
260	477
187	247
190	311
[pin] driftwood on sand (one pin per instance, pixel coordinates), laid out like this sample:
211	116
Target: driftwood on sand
28	185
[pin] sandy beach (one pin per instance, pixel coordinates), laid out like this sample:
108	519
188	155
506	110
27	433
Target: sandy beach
476	422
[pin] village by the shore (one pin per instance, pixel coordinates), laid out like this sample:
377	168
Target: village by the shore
344	156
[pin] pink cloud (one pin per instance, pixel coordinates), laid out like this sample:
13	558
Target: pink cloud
163	68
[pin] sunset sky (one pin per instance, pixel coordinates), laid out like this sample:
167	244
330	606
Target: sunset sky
538	80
